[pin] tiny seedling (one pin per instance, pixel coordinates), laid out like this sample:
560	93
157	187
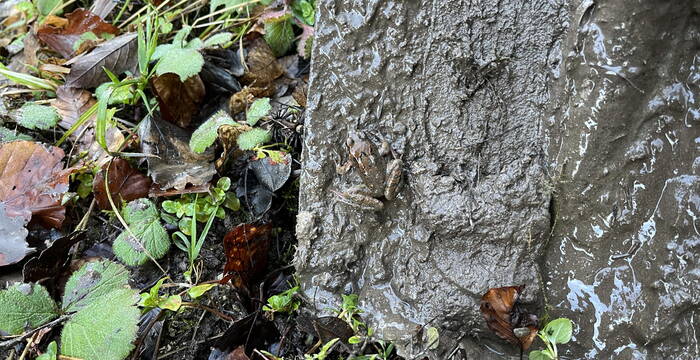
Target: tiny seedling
152	299
323	352
557	331
193	245
285	302
202	207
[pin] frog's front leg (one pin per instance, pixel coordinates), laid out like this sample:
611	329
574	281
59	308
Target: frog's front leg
360	197
394	172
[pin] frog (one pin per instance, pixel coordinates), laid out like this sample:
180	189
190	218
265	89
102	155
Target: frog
379	169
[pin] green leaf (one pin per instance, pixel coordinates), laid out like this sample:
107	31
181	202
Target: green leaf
540	355
162	50
45	6
259	109
104	329
218	39
252	138
172	303
206	134
33	116
25	305
120	95
199	290
7	135
355	339
144	221
171	206
181	35
433	338
51	352
84	37
280	36
232	202
559	331
91	282
183	62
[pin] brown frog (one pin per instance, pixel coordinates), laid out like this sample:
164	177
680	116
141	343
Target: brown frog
379	170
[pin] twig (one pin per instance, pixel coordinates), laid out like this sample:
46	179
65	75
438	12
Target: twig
21	338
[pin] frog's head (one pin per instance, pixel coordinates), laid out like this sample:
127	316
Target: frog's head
358	144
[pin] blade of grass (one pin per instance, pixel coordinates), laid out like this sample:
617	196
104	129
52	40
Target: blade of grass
27	80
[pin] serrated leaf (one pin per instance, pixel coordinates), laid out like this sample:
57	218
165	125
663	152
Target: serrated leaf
206	134
559	331
104	329
117	55
259	109
280	36
25	305
218	39
91	282
144	221
183	62
252	138
34	116
539	355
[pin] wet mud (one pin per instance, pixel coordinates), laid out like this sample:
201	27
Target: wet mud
546	143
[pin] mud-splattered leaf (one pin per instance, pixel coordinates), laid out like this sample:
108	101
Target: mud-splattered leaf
35	116
32	182
246	253
13	246
104	329
252	138
258	109
91	282
179	101
176	165
503	313
270	173
125	184
80	21
53	260
559	331
144	221
118	55
25	305
206	134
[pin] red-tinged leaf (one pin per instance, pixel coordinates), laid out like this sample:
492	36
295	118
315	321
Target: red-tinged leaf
117	55
32	182
305	39
246	249
80	21
125	184
178	101
504	314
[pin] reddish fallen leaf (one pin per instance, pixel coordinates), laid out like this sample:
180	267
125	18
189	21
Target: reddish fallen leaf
125	184
246	249
507	318
63	39
238	354
178	101
32	182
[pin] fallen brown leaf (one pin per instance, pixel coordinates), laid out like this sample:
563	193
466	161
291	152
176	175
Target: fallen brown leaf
263	67
178	101
239	101
246	253
117	55
70	103
503	314
125	184
61	37
32	182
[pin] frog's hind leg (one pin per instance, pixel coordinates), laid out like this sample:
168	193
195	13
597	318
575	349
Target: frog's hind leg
394	173
360	198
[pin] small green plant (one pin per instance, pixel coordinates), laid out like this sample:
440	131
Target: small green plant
180	57
96	297
285	302
152	299
35	116
202	207
323	352
557	331
145	236
206	134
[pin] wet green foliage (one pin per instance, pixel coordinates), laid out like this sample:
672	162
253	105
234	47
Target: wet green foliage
25	305
145	236
34	116
259	109
285	302
253	138
152	299
206	134
180	57
557	331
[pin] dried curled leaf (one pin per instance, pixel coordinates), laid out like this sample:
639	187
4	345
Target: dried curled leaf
117	55
32	182
507	318
80	21
246	253
262	64
125	184
179	101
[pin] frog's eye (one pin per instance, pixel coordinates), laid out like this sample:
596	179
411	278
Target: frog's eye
349	142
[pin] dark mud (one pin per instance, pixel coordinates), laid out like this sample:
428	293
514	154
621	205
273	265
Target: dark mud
541	140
